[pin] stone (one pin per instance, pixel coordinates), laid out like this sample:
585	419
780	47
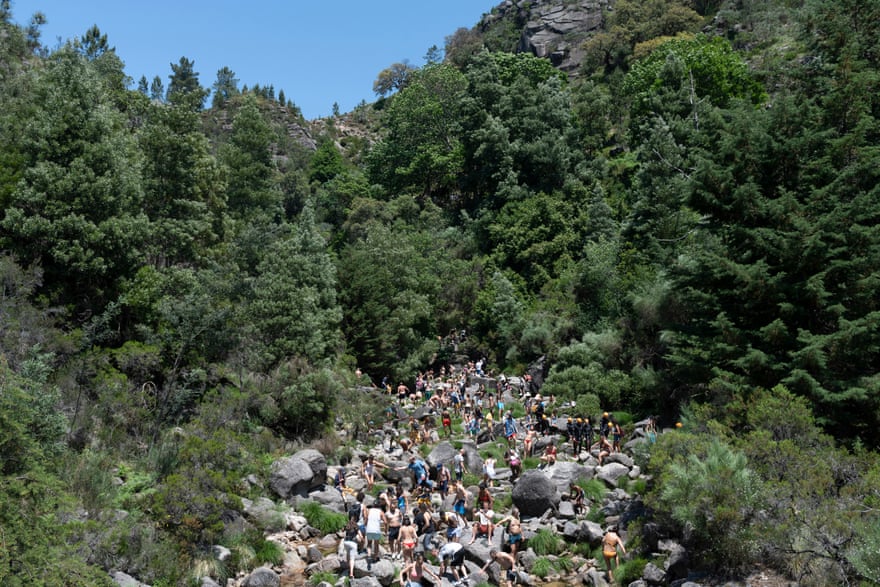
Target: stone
611	472
444	452
534	494
262	577
124	580
653	575
677	564
292	476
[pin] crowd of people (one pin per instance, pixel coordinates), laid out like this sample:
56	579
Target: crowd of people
406	519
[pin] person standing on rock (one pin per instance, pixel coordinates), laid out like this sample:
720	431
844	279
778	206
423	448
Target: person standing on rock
514	531
408	539
611	542
393	521
443	479
510	430
458	464
375	520
350	544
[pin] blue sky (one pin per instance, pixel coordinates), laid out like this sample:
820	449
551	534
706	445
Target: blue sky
317	51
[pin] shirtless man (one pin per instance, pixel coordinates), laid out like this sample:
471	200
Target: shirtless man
506	562
610	543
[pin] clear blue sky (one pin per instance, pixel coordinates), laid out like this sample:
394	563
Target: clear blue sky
317	51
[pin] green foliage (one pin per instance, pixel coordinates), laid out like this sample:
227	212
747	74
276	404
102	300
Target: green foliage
546	542
542	567
708	66
630	570
323	519
322	577
718	498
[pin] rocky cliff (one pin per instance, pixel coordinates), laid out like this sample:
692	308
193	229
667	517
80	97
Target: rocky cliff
554	29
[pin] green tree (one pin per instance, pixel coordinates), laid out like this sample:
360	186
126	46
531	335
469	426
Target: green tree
718	498
225	87
421	150
294	312
77	210
184	195
183	88
393	79
252	190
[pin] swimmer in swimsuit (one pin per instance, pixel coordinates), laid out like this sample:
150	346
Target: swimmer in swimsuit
610	543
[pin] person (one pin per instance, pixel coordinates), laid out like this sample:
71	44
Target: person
411	574
490	425
489	471
375	520
506	562
484	495
454	525
616	435
511	457
611	542
514	530
368	470
462	496
571	430
484	523
402	499
356	511
424	522
451	558
529	442
339	482
510	430
408	539
459	465
443	479
577	497
350	544
420	473
393	519
414	430
446	419
549	456
651	430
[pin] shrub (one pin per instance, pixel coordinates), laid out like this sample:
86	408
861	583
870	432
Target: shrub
322	577
630	571
594	489
542	567
546	542
323	519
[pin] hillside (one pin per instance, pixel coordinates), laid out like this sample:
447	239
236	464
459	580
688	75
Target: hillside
663	208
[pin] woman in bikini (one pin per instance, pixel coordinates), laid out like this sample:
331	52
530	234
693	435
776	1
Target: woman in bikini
610	543
412	573
408	539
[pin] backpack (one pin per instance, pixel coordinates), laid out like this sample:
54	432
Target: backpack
354	512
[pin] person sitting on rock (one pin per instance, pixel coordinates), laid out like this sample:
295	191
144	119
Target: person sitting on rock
484	524
549	456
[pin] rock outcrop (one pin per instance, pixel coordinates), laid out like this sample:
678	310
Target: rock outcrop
553	29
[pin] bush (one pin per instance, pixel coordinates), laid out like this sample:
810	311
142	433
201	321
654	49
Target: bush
630	571
323	519
546	542
542	567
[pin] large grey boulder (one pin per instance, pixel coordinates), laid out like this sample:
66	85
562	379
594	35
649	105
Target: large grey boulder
564	473
534	494
654	575
262	577
442	453
585	531
611	472
298	474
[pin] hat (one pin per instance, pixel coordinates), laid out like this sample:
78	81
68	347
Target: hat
580	419
604	414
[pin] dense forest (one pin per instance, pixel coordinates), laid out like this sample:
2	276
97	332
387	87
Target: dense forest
689	226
